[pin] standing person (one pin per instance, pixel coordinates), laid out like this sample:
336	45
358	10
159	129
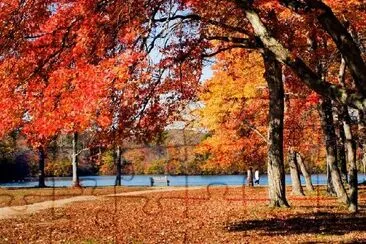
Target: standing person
256	177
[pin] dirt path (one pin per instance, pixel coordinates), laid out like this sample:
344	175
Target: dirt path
17	211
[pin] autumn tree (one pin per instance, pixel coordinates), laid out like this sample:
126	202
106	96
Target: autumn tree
75	46
233	101
250	25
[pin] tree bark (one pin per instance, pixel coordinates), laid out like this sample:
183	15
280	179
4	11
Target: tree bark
341	137
331	149
74	161
341	150
250	182
350	145
305	172
362	140
308	76
276	170
330	187
119	166
41	163
295	175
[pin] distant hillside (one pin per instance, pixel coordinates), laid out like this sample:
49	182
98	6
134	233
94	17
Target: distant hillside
184	137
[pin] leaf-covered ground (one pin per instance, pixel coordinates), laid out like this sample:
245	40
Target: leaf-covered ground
213	215
23	196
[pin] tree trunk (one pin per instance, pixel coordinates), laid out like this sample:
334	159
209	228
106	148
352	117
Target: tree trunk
74	161
331	149
341	150
41	174
305	172
341	136
250	177
350	145
119	166
295	175
362	136
330	187
276	170
364	158
351	160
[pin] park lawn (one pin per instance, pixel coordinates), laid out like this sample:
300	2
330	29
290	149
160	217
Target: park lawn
213	215
23	196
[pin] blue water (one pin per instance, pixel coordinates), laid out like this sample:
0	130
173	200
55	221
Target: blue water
144	180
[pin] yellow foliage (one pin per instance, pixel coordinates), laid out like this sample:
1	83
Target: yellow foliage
233	106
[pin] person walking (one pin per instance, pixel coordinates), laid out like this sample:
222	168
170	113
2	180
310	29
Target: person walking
256	177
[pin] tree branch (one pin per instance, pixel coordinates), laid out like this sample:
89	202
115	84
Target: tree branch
308	76
342	38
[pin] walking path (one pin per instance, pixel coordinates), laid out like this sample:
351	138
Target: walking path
17	211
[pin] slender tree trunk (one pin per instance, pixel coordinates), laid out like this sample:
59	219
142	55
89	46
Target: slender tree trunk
352	165
305	172
341	149
331	149
362	136
250	177
330	187
295	175
41	174
74	161
119	166
341	134
350	145
276	170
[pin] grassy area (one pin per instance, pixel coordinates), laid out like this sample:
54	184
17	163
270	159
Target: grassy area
23	196
212	215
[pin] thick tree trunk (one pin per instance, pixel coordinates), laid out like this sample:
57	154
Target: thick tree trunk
351	160
41	174
295	175
74	161
305	172
331	149
276	170
119	166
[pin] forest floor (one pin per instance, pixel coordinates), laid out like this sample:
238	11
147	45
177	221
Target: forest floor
42	199
10	197
179	215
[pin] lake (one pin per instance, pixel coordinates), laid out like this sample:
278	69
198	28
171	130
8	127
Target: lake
144	180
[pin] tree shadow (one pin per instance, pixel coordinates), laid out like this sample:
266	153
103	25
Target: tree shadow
315	223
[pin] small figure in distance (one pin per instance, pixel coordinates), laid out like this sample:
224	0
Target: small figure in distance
151	181
256	177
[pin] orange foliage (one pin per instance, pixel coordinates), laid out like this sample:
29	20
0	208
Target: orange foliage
235	112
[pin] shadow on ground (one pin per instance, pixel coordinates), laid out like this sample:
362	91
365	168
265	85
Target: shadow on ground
315	223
